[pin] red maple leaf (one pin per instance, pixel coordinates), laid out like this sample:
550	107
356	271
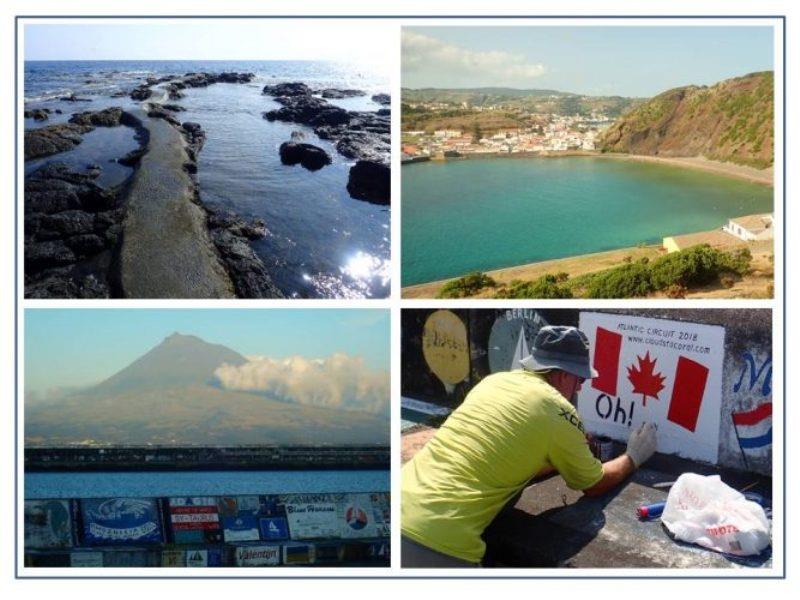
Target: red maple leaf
644	378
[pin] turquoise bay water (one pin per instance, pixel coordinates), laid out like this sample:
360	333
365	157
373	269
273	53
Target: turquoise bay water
483	214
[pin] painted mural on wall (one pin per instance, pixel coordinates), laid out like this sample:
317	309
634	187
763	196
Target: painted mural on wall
511	338
109	521
751	407
734	377
446	348
48	524
655	370
340	516
195	520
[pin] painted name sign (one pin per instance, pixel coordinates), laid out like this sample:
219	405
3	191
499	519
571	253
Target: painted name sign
120	520
666	372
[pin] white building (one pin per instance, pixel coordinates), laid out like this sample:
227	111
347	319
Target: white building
751	227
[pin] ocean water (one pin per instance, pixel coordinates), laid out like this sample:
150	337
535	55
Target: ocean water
201	483
321	242
483	214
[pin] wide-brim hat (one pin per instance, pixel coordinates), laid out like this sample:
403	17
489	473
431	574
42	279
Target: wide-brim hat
563	348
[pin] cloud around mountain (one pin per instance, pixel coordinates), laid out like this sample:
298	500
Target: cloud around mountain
339	381
442	64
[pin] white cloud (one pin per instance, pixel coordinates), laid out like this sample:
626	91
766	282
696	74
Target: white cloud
339	381
443	64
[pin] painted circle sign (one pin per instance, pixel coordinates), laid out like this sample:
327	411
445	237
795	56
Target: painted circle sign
445	347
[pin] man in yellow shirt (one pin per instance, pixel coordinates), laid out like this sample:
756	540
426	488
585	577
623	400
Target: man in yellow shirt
510	428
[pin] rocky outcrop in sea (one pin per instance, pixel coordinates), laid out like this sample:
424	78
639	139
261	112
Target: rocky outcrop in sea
358	135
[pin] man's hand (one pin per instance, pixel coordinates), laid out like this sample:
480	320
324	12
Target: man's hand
642	443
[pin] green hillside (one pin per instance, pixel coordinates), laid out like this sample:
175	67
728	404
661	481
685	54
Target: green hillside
731	121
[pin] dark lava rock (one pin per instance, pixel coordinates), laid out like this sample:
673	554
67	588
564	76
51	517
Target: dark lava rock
69	221
235	77
159	113
53	139
238	226
311	157
86	244
195	137
363	145
109	117
173	107
249	275
74	98
64	283
119	94
65	136
308	110
366	137
56	188
206	79
371	181
287	89
38	114
337	94
133	157
384	112
230	234
382	98
174	90
143	92
52	253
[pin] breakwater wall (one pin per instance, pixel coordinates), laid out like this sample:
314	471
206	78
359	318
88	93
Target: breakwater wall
165	458
351	529
707	372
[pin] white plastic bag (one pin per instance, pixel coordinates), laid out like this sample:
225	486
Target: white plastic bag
705	511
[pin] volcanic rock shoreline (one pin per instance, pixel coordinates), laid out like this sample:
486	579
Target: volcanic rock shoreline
150	236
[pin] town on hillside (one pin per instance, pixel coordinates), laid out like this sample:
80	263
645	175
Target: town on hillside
534	133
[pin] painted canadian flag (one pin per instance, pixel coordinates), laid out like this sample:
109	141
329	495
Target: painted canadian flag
655	370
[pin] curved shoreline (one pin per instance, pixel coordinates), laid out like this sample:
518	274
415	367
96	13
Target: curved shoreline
697	163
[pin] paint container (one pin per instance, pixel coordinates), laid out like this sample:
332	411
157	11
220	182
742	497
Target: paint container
602	447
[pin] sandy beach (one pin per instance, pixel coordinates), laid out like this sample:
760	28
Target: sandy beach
700	163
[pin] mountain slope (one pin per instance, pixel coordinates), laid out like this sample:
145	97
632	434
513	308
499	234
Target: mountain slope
170	396
730	121
197	415
179	360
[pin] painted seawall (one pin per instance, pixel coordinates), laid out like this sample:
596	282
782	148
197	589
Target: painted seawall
445	354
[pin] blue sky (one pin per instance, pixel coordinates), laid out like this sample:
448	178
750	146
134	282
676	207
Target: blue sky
625	61
213	39
82	346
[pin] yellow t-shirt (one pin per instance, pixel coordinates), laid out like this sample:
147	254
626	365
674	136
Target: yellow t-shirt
508	428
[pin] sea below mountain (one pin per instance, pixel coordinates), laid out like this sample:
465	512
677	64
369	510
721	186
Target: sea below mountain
201	483
483	214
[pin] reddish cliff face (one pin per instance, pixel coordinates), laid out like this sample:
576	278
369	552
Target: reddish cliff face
729	121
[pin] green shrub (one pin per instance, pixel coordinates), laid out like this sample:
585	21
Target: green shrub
547	286
469	285
696	266
626	281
